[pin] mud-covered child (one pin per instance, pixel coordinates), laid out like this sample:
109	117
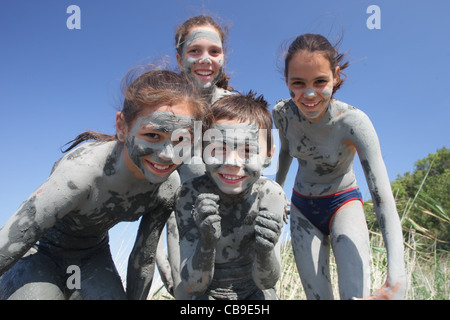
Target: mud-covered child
230	219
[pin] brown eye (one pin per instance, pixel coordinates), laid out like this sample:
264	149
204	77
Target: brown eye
297	83
152	136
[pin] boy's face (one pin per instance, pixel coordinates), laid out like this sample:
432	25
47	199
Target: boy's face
235	154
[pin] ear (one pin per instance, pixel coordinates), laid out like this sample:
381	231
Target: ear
121	126
336	75
285	77
179	62
270	154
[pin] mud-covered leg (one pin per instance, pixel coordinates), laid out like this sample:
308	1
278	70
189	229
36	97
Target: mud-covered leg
99	279
34	277
312	256
164	268
173	249
351	247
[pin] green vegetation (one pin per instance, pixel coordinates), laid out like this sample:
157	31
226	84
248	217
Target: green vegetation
423	204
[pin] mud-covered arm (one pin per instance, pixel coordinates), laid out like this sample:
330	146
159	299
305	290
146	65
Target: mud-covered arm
285	159
141	263
56	197
199	229
368	148
268	224
164	268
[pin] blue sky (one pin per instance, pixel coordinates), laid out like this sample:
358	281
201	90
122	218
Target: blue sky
56	82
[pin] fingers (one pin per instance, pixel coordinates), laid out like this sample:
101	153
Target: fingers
209	196
267	230
287	212
205	205
268	220
386	292
206	216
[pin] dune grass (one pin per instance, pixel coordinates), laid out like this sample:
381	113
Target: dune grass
427	269
427	264
427	274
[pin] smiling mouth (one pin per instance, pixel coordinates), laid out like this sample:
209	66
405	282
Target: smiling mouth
205	73
231	178
159	168
312	105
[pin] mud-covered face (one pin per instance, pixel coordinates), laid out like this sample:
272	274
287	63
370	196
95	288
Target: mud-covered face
158	142
235	154
202	59
310	81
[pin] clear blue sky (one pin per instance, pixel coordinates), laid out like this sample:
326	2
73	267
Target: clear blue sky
56	82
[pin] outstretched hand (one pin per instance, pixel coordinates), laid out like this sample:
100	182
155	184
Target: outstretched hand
207	218
387	292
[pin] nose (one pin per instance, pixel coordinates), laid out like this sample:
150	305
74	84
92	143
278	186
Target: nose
310	93
233	159
205	59
167	152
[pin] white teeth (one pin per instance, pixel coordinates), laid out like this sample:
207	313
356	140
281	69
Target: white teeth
311	105
160	167
204	73
231	177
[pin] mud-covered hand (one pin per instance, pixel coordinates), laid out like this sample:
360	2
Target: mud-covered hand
267	231
207	218
389	291
287	212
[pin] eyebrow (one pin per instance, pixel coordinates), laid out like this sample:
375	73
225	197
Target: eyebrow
301	79
162	127
194	45
153	127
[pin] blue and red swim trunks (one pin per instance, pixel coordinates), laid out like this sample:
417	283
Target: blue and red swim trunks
320	210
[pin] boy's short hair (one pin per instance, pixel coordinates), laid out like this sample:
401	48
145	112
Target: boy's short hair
246	108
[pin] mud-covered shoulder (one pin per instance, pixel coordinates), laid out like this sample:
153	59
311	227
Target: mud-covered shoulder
89	155
270	186
200	184
348	113
284	113
356	126
189	191
281	106
219	93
